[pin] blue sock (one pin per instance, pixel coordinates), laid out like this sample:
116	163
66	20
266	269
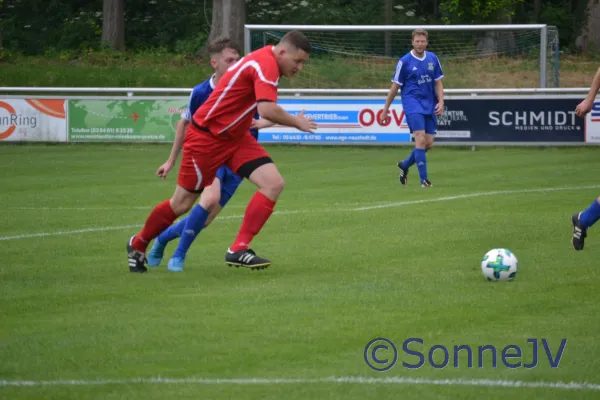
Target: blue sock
591	215
194	224
172	232
406	164
421	161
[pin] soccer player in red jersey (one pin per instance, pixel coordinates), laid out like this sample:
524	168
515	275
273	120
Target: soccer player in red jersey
219	135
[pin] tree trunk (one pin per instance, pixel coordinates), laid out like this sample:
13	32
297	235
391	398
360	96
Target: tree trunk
113	24
589	38
388	10
537	8
494	43
2	14
228	19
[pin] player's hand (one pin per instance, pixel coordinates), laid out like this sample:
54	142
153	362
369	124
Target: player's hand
384	117
255	124
305	124
439	109
164	169
583	108
259	124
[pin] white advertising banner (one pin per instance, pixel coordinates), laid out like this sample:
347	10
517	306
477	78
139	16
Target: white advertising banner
342	120
33	120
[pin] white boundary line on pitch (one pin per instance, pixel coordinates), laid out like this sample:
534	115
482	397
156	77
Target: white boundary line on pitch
470	195
77	208
85	230
108	228
295	381
149	208
364	208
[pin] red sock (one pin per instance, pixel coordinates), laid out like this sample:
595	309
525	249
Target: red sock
159	219
257	213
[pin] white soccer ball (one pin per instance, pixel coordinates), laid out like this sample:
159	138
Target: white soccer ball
499	265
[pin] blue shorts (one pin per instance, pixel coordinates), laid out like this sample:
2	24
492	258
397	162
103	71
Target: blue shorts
229	184
422	122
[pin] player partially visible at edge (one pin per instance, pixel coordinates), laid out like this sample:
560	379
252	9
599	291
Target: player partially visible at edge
223	54
585	219
218	135
419	76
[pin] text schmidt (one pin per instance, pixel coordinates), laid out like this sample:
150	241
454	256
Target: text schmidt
556	119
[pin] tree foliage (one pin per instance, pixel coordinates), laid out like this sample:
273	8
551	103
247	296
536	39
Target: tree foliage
478	11
46	26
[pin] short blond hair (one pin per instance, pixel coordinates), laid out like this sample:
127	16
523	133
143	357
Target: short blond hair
420	32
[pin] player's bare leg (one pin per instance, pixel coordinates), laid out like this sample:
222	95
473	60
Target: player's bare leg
429	141
182	200
268	180
270	184
216	210
210	200
161	217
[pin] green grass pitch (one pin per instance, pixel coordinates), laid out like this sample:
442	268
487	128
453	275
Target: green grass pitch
356	256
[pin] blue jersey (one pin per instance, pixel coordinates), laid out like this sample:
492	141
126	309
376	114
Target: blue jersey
416	77
199	95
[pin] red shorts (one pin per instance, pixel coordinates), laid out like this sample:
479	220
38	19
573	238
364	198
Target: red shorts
204	154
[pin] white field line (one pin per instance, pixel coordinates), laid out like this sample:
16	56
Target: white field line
108	228
67	208
58	233
477	194
299	381
312	211
77	208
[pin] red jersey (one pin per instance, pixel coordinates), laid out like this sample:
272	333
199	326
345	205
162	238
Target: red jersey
230	107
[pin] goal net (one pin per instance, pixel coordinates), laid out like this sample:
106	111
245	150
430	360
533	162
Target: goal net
474	58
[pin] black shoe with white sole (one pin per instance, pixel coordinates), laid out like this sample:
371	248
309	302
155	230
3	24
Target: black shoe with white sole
137	259
246	258
579	232
403	175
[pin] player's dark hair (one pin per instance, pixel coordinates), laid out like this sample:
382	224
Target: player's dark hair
221	43
297	40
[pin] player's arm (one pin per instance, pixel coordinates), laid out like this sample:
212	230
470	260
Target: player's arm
277	115
180	128
384	116
397	81
439	91
261	123
586	105
265	79
438	75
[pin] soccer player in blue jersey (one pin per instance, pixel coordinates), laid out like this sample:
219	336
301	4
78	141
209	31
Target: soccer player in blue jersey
585	219
223	54
419	76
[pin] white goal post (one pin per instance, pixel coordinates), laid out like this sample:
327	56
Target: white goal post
369	51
